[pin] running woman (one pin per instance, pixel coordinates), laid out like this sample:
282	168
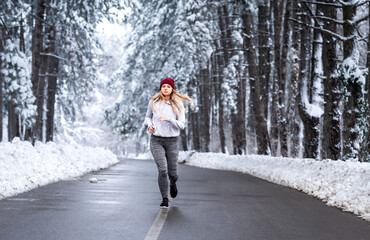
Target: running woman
165	118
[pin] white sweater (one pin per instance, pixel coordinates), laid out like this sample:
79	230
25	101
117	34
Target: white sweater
173	123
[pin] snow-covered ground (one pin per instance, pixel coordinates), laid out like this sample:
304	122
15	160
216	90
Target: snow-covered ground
345	185
24	167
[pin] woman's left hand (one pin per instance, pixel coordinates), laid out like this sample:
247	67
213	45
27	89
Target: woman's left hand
162	118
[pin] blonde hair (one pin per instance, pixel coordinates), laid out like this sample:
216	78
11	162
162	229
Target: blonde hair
176	100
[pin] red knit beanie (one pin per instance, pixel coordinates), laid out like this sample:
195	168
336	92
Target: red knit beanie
168	81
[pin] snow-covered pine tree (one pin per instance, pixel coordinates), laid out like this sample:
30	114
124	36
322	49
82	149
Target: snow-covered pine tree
216	70
234	87
183	66
18	87
170	39
12	28
150	59
352	81
199	41
331	136
365	157
64	58
223	59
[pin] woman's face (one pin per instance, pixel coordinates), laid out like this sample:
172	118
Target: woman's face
166	89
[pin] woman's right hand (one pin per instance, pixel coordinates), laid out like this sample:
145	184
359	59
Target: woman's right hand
151	129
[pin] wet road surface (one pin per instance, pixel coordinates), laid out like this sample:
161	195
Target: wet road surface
211	205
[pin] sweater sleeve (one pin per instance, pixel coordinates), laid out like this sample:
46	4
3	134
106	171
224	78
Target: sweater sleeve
180	122
149	116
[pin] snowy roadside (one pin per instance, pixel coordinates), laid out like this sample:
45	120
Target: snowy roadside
24	167
345	185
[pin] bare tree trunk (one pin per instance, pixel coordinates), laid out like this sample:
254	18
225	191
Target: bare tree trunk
264	61
214	90
195	130
275	111
52	85
1	88
218	66
239	126
184	140
194	117
37	83
1	105
40	98
22	45
204	98
310	122
283	129
250	52
221	124
13	122
37	41
331	145
293	94
264	56
222	63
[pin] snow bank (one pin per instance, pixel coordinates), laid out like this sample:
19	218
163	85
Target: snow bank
24	167
345	185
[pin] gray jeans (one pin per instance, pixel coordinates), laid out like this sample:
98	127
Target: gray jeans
165	151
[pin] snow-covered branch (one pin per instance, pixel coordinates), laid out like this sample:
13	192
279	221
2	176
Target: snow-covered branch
341	3
355	22
48	75
53	55
362	3
312	14
44	22
365	39
247	36
345	3
364	18
353	3
324	3
329	19
337	36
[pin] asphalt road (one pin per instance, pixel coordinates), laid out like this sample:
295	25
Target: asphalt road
211	205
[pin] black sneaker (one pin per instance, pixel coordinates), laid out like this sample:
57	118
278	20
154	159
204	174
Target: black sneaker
173	190
164	203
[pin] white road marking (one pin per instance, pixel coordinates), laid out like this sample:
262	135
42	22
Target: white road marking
156	228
